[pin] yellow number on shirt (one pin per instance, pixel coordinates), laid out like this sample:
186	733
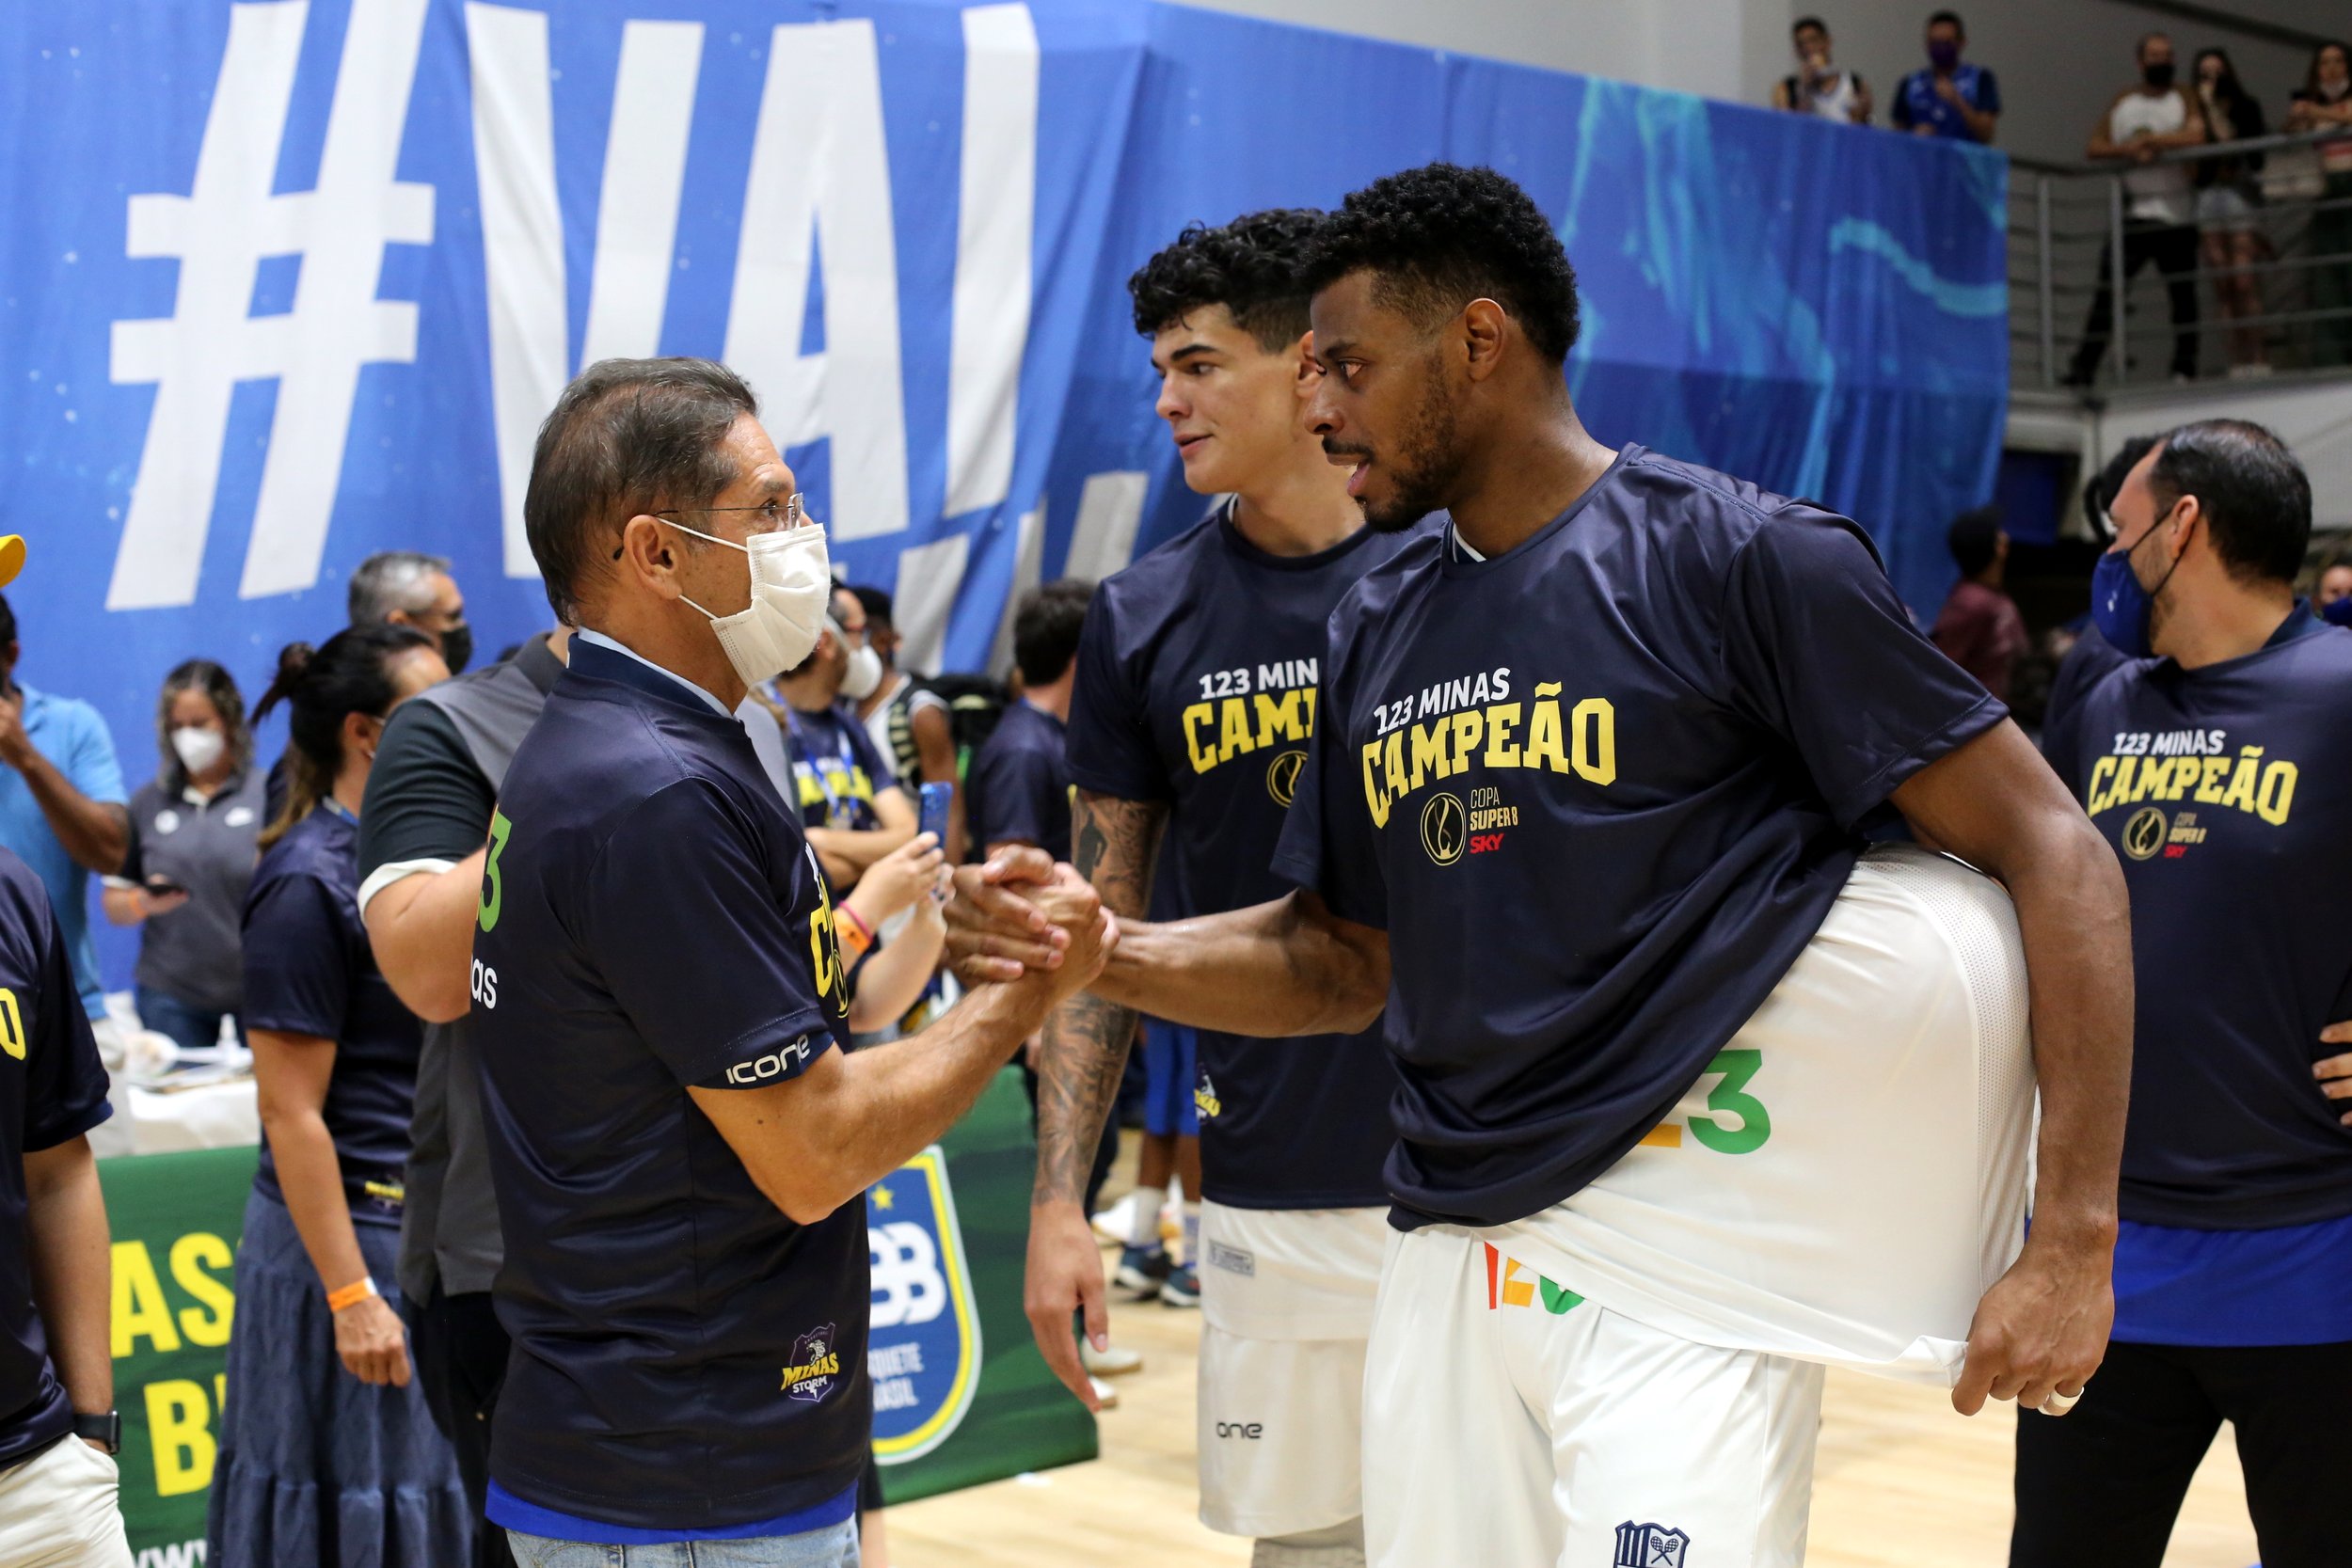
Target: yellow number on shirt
824	945
493	888
11	1026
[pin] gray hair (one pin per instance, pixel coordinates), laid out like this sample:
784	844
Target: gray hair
393	579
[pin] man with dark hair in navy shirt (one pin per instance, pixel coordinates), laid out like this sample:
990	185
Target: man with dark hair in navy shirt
1686	1075
1196	700
677	1145
2221	770
1020	783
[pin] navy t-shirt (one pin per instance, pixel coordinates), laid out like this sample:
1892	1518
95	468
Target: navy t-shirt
53	1087
1020	782
309	970
685	1358
837	768
1601	791
2226	792
1197	686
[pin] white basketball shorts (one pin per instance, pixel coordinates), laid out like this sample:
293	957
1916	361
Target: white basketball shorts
1286	1299
1637	1370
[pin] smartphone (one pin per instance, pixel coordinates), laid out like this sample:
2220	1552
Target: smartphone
934	811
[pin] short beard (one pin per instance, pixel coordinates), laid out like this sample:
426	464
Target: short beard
1427	462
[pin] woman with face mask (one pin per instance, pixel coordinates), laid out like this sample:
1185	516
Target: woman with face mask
328	1453
192	828
2324	103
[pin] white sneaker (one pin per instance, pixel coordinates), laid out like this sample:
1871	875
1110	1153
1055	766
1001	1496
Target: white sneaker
1106	1397
1114	1362
1114	1223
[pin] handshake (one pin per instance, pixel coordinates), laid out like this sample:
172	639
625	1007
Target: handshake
1023	918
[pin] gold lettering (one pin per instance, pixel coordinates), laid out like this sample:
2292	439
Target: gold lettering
178	1423
1196	721
2278	793
1469	725
1392	766
206	1323
2102	774
1232	729
2241	791
2212	771
1429	754
1544	741
1279	717
139	1306
1311	709
2183	776
1375	801
1595	737
2153	773
1500	751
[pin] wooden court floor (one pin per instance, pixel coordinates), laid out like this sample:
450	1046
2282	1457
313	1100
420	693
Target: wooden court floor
1902	1483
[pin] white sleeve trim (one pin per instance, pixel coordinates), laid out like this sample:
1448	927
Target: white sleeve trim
393	871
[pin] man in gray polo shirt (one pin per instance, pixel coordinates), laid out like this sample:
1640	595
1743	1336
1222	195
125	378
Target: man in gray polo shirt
422	828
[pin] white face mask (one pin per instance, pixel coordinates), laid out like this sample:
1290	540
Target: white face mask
791	590
197	747
864	677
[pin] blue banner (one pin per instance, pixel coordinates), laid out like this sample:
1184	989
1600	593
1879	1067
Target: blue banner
292	281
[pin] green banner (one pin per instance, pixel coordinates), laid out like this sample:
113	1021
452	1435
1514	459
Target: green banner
961	1395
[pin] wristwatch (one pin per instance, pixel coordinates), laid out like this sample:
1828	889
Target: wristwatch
105	1430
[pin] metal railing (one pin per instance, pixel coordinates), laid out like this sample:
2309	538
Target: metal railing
2081	280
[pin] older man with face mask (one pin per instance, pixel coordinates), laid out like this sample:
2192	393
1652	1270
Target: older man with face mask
678	1143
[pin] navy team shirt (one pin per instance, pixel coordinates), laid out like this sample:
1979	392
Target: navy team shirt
1197	686
309	970
837	768
2226	793
53	1087
1020	783
688	1363
1601	791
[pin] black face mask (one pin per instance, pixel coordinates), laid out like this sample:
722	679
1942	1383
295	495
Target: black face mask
457	647
2158	76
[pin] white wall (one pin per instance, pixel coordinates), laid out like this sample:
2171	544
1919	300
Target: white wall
2058	61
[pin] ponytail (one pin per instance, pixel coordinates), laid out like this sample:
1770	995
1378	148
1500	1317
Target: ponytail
350	673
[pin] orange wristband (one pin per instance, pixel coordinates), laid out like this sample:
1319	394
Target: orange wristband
857	939
350	1295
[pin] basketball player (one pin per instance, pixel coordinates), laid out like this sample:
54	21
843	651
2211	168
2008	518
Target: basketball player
1696	1095
1194	705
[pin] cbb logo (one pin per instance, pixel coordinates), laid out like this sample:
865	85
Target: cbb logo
1282	778
2144	835
1444	828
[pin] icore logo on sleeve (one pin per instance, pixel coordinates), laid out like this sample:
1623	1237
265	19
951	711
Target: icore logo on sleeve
815	1366
924	1351
776	1064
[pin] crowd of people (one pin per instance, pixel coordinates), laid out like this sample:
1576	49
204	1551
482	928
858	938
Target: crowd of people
2189	219
1465	815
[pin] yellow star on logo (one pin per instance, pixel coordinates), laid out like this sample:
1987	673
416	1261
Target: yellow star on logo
882	1198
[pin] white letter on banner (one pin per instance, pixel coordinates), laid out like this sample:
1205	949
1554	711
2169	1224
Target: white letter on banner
925	599
219	232
1027	563
1110	509
338	322
818	163
522	244
645	170
996	213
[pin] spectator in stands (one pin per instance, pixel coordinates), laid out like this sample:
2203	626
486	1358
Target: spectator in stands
61	810
58	1430
910	724
2089	656
1951	98
2153	117
1979	627
2332	598
849	796
327	1453
423	832
1819	86
193	831
2324	103
404	588
2229	203
2234	1259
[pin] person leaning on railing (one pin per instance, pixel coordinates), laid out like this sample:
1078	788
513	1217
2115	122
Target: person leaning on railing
2324	103
2229	208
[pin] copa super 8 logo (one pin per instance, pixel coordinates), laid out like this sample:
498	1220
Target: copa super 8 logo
923	1350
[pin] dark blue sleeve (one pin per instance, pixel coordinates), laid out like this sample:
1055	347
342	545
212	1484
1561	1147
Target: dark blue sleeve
1013	786
683	922
1327	844
65	1082
1818	648
1988	92
1110	735
297	957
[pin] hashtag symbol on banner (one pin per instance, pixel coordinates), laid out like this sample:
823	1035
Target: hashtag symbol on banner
221	232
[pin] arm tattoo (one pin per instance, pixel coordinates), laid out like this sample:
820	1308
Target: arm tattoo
1116	846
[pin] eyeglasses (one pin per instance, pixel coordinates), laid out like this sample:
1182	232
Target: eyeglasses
778	514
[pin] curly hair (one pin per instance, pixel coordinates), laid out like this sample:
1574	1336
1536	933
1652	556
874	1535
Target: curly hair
1251	266
1436	237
